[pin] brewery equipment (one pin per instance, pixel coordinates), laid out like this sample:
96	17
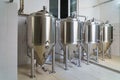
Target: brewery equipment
92	32
41	35
107	38
70	34
70	31
91	37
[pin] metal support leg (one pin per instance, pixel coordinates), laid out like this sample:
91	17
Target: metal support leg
66	57
88	54
97	54
53	60
79	55
32	64
103	54
110	52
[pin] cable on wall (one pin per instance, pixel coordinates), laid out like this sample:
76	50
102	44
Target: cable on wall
102	3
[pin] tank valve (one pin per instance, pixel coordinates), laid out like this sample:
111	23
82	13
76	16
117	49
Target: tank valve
47	44
98	41
43	68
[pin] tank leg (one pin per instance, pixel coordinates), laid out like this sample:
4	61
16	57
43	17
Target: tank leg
53	60
79	55
103	54
88	54
66	57
110	52
97	55
32	64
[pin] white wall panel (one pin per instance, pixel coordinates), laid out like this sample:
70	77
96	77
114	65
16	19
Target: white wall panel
8	41
31	6
85	8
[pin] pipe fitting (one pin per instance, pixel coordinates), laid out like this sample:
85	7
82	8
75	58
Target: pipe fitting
44	8
21	7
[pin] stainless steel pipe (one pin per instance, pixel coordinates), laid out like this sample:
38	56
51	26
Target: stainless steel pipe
21	7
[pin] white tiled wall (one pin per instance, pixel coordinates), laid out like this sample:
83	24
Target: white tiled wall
85	8
111	11
116	40
31	6
22	40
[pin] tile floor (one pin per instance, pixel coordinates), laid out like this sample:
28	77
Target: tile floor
86	72
113	63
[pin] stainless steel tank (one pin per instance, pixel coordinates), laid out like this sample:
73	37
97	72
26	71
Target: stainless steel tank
41	34
91	32
70	31
107	36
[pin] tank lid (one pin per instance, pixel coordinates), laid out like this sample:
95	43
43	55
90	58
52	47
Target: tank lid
42	12
71	18
108	25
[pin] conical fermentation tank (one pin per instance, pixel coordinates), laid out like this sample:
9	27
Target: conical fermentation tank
107	36
70	36
41	34
91	35
70	31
